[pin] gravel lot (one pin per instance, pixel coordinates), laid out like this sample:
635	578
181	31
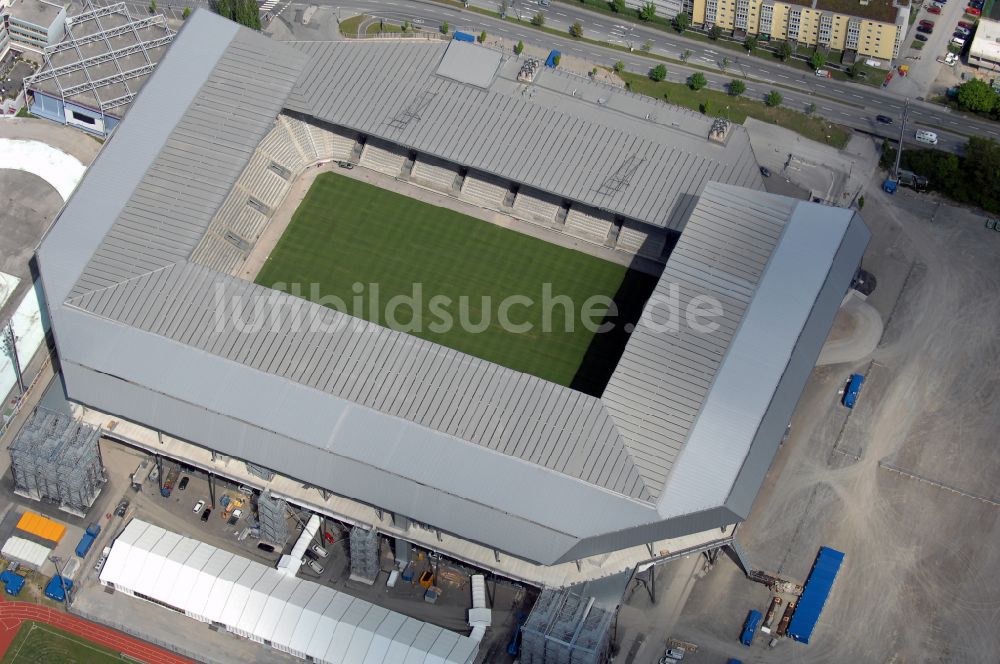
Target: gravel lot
919	582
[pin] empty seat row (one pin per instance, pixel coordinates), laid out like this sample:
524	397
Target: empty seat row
533	207
382	159
487	193
433	174
589	226
281	147
637	238
217	253
238	217
262	183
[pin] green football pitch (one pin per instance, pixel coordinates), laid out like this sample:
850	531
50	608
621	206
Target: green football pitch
37	643
347	236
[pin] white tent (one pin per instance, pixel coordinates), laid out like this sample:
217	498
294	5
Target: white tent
25	551
295	615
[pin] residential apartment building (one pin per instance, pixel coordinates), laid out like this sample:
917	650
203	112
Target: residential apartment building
871	28
31	24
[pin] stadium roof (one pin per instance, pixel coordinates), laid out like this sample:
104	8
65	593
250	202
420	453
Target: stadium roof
564	134
268	606
679	442
104	59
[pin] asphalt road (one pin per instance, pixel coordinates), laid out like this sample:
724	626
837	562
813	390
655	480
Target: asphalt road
850	104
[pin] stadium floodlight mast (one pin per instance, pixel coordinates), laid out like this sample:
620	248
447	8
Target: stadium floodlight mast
62	580
9	342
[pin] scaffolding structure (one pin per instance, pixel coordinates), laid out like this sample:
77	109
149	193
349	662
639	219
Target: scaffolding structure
57	459
272	513
364	555
565	628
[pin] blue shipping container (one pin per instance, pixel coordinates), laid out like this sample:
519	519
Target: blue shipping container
464	36
815	593
750	627
551	60
12	582
55	588
852	389
94	529
86	542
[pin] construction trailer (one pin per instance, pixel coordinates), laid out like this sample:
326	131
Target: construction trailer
815	593
56	458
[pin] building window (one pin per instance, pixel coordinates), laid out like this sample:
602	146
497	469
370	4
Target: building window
80	117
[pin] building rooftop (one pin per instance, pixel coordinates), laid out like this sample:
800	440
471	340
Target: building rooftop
564	134
986	44
876	10
105	58
690	417
38	12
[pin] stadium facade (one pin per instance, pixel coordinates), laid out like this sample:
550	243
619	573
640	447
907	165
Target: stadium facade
683	435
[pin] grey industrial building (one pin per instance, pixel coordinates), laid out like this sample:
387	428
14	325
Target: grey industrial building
678	443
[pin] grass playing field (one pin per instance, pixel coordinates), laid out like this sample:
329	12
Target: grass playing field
37	643
347	232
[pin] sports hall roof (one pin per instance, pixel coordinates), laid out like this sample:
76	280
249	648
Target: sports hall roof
385	418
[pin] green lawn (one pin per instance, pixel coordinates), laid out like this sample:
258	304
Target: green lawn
38	643
738	109
347	232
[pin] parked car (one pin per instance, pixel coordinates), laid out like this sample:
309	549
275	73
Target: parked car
183	484
933	10
676	653
883	119
929	24
965	24
122	508
765	172
925	29
237	514
319	551
922	38
311	556
198	506
823	73
962	31
958	34
207	513
315	566
972	11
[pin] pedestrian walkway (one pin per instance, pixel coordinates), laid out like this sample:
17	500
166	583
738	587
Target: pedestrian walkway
12	614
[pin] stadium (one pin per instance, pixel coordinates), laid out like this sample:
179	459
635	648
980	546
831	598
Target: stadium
551	461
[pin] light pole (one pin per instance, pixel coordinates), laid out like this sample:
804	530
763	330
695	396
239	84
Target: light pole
62	580
9	342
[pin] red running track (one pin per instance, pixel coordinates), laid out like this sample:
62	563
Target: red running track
12	614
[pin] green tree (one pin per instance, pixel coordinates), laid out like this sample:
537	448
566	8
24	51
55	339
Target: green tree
152	6
619	67
244	12
697	81
977	96
773	98
682	22
854	69
658	73
444	28
647	12
186	13
538	20
784	51
982	164
618	6
810	109
482	36
817	60
686	55
724	64
715	32
576	30
647	45
519	48
861	202
737	87
750	44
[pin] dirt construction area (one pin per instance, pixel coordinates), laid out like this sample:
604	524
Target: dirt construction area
905	484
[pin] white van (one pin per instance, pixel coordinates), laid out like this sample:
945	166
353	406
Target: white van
924	136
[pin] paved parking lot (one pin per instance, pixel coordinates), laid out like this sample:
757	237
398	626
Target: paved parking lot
919	581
